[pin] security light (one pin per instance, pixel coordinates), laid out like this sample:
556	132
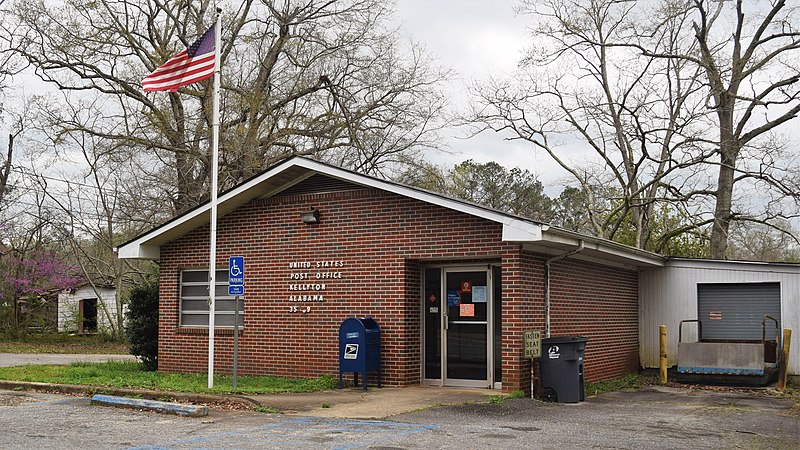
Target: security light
310	216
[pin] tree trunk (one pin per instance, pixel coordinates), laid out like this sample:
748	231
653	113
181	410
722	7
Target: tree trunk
729	151
6	170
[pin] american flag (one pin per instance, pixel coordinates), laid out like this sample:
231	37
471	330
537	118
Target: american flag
189	66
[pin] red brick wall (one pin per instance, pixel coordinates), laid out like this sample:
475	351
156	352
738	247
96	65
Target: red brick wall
382	239
601	303
523	294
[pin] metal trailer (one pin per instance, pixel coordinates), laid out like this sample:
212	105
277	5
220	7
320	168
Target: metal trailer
731	363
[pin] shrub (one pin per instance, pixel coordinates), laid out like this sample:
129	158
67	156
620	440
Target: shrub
142	322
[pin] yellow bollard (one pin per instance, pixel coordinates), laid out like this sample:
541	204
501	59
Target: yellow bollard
783	367
662	332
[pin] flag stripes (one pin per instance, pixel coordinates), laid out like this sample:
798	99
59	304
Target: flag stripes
189	66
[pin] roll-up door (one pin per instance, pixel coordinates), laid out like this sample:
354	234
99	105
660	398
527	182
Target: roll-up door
733	311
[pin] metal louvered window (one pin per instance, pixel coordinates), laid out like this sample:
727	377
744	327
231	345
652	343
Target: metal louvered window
194	300
733	311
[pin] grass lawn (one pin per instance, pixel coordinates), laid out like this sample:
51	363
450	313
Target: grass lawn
129	374
631	381
61	343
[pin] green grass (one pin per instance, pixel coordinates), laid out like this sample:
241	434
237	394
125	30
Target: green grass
628	382
516	394
61	343
497	399
130	374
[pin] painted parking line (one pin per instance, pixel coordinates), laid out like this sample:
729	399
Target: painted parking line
303	432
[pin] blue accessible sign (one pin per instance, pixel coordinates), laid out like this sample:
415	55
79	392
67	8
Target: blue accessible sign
236	275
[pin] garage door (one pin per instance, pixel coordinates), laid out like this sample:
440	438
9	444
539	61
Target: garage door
733	311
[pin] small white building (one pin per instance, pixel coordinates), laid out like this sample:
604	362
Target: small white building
87	309
729	298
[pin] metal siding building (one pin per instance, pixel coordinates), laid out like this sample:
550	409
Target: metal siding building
668	295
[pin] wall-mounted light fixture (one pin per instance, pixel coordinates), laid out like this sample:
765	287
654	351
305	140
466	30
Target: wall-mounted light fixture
310	216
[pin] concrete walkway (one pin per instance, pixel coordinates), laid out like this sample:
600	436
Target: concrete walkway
376	403
21	359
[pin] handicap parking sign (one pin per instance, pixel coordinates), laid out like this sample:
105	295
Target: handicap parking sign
236	275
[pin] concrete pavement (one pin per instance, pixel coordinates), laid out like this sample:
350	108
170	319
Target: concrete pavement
376	403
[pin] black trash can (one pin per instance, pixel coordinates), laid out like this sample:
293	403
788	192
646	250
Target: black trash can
561	366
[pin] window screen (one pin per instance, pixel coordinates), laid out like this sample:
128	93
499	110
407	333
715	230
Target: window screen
194	300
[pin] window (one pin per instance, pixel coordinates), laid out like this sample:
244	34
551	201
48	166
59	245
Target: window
194	300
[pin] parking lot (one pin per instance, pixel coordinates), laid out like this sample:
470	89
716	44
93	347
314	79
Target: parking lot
652	417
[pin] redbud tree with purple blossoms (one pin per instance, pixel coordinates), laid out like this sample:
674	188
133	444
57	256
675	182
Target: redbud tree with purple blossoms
39	275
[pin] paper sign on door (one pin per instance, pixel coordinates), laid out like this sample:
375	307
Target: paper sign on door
467	310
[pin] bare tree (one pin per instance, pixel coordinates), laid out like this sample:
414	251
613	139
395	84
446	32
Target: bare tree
326	79
5	165
678	103
6	70
749	61
634	114
89	200
763	241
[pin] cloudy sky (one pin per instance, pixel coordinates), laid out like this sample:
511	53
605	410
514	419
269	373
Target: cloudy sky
475	38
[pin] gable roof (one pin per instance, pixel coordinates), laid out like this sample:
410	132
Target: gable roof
533	235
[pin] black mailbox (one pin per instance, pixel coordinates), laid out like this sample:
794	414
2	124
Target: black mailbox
359	349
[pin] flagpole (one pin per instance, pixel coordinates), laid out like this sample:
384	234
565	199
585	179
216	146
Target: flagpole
212	263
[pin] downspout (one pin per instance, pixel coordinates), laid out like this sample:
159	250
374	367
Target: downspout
547	283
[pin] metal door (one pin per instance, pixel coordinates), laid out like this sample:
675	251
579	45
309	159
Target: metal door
458	332
733	311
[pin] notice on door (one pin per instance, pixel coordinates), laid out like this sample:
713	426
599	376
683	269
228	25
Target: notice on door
453	298
478	294
466	310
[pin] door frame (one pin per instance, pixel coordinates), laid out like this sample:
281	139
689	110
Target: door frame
490	322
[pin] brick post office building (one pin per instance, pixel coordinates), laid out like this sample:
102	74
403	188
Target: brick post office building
452	285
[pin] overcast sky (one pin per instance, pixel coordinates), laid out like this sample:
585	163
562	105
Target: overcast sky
475	38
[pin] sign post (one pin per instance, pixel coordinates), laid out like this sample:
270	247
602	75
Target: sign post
532	349
235	288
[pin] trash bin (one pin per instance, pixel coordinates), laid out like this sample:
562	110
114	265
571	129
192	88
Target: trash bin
359	349
561	366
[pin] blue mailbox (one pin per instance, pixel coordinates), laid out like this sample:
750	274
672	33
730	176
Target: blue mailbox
359	349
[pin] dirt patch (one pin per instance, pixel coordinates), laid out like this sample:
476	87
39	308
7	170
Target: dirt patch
13	399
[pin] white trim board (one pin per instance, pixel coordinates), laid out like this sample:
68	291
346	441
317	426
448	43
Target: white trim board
515	229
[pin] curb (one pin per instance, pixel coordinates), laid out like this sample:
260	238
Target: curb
87	390
150	405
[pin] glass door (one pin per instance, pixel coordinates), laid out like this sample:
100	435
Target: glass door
457	313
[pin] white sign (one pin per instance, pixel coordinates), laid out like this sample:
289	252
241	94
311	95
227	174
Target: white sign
478	294
350	351
532	341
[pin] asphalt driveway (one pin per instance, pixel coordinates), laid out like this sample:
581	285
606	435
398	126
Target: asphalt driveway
653	417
